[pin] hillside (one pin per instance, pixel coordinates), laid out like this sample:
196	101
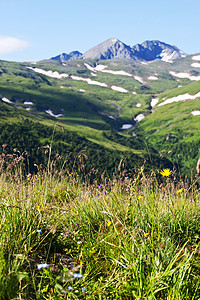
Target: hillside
173	127
115	104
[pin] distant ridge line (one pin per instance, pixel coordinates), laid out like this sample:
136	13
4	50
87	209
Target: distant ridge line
115	49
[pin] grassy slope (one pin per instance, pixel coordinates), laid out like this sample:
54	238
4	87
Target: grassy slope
82	112
175	119
87	113
124	239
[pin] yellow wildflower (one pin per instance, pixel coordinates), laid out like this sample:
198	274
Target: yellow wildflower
68	251
179	191
140	197
166	172
146	234
108	223
92	251
41	208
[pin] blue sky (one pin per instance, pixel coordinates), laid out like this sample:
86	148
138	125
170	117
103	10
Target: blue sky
32	30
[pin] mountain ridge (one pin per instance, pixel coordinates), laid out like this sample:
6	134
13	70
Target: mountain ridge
113	48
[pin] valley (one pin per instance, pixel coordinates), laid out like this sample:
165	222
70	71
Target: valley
146	108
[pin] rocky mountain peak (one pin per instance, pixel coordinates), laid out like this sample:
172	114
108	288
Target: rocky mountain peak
151	50
109	49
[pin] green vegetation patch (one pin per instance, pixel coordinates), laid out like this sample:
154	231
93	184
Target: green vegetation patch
122	238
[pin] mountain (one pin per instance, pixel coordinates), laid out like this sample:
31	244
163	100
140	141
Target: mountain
110	49
74	55
151	50
115	49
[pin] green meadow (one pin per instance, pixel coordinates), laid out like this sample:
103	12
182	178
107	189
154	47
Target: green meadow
121	238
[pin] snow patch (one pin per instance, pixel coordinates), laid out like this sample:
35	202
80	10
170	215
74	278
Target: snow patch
154	101
93	74
134	93
184	75
153	78
48	111
118	89
138	104
28	103
138	78
196	57
139	117
81	90
195	65
111	117
107	115
89	81
89	67
195	112
101	68
126	126
4	99
183	97
49	73
166	56
123	73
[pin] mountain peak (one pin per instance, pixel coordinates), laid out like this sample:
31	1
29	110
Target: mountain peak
155	49
111	41
109	49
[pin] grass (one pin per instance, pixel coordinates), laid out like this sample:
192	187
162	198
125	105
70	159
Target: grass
125	238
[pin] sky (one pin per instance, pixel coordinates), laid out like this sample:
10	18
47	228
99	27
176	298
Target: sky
32	30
